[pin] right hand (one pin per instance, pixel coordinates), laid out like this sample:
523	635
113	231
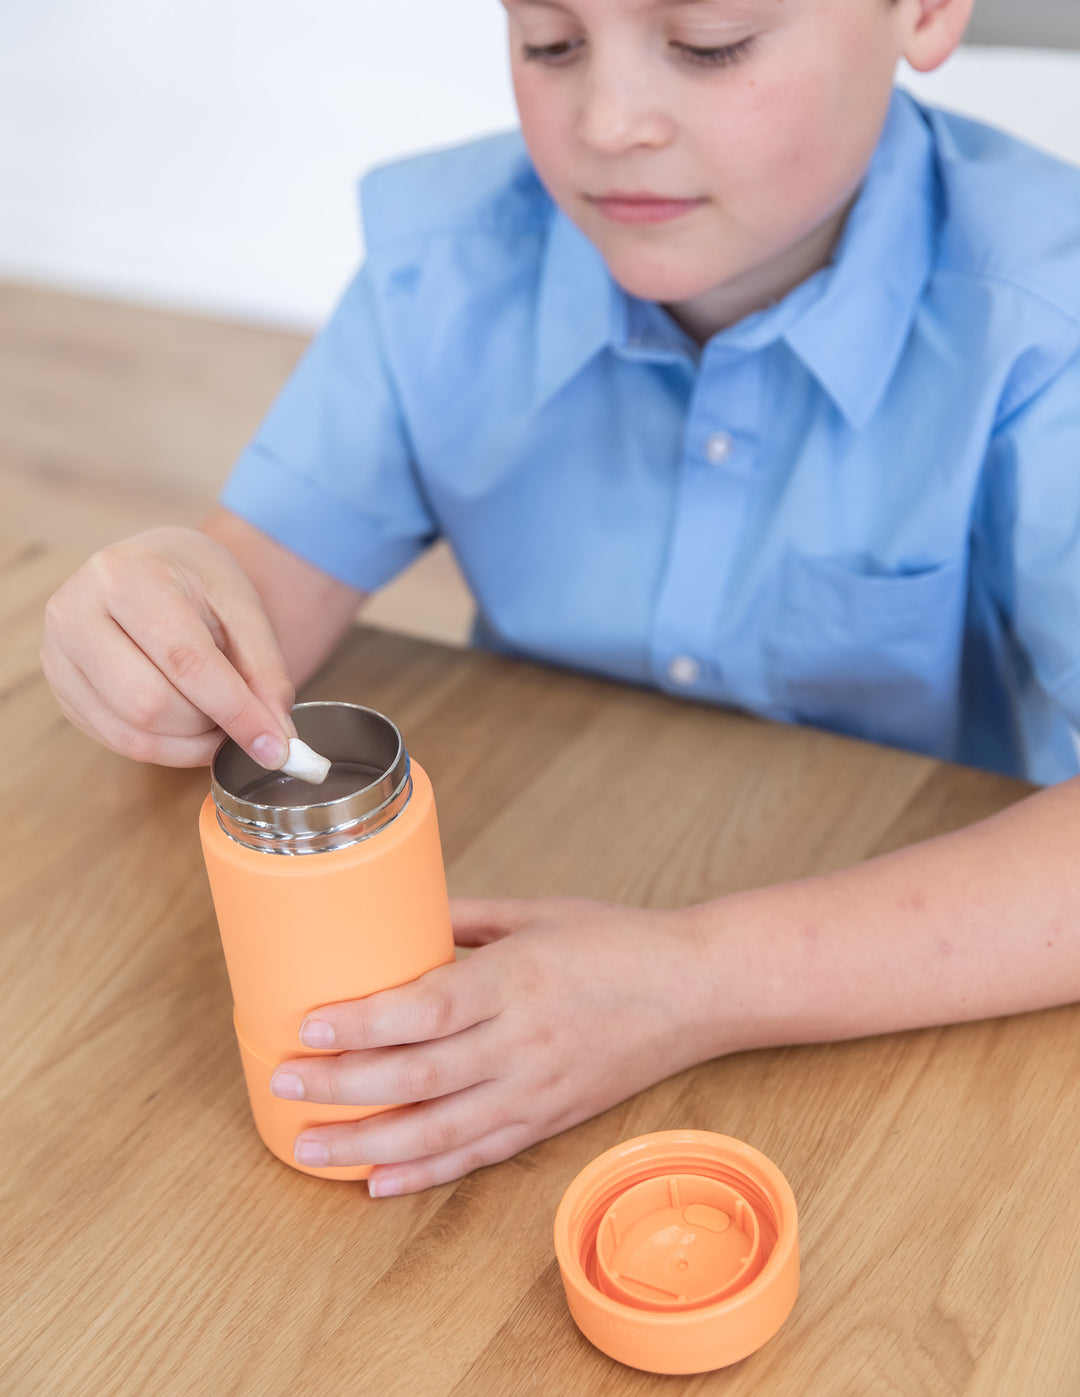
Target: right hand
159	646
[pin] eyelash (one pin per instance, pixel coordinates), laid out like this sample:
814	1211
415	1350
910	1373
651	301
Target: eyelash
724	57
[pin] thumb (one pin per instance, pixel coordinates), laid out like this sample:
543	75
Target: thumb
477	921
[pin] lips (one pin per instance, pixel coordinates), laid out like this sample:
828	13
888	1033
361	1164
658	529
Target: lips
640	207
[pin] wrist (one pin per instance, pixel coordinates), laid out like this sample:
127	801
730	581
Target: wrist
748	986
712	1014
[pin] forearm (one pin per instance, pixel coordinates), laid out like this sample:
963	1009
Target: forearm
308	609
974	924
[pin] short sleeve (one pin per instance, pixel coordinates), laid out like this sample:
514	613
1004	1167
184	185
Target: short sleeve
330	472
1034	471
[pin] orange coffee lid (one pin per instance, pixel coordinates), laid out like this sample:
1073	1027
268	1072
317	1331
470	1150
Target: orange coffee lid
679	1251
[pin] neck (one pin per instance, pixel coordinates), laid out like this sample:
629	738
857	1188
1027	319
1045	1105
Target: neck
714	310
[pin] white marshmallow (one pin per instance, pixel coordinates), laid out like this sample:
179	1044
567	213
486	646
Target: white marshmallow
305	764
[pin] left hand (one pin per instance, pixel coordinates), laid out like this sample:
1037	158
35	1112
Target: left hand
566	1007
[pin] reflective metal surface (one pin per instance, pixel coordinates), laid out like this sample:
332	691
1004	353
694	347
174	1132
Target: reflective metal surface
367	786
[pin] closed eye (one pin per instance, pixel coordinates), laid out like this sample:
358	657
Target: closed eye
722	57
547	53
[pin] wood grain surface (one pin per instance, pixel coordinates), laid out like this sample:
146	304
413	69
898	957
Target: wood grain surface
152	1245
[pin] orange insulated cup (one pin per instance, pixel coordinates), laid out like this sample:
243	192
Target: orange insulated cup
322	893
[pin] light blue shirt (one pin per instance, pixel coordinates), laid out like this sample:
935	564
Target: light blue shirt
857	508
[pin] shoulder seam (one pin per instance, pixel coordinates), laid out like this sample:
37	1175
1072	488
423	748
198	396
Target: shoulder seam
1005	277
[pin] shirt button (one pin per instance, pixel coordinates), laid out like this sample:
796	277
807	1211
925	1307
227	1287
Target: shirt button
683	669
718	447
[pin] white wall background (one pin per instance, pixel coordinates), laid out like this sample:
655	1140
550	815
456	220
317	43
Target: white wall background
203	154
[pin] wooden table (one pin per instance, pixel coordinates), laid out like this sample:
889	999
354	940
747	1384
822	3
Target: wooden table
152	1245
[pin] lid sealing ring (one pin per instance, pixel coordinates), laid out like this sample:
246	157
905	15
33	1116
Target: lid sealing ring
678	1241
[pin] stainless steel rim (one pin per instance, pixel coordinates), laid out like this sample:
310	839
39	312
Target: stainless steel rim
344	732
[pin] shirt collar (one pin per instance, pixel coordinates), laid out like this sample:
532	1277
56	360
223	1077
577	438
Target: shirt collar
583	310
851	336
847	323
579	308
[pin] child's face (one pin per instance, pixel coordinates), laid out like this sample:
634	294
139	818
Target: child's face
763	142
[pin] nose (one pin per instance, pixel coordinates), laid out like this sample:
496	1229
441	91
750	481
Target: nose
618	111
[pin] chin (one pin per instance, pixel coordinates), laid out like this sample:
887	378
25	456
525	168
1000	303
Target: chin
660	278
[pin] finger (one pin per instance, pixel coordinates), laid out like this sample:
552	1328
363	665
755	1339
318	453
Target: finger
412	1132
80	630
248	640
177	640
386	1181
477	921
82	708
400	1075
443	1001
130	685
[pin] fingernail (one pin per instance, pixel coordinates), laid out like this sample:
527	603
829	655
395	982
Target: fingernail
269	750
309	1152
287	1084
316	1033
383	1188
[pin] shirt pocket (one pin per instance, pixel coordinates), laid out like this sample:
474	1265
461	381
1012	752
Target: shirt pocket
876	655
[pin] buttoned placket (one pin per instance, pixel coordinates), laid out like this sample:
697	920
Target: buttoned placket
716	474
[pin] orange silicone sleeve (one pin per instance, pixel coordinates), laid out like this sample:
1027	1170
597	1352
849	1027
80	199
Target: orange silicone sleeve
306	930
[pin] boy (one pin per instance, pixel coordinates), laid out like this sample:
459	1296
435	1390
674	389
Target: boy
752	380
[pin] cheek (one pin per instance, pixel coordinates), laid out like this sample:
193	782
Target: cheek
790	148
827	111
545	125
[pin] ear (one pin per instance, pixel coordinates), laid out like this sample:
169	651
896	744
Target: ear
937	26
